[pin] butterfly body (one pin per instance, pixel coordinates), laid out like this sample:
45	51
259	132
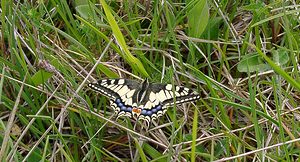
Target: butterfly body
146	101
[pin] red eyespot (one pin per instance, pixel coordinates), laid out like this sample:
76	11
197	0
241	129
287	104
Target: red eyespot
136	110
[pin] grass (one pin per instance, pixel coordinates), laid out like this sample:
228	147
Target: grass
242	57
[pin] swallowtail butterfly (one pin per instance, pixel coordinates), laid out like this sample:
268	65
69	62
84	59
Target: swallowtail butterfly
146	101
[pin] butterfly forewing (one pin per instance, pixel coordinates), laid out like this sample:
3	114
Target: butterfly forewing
114	88
166	93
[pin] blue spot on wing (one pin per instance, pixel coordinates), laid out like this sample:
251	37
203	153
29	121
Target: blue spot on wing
122	106
158	107
145	112
154	110
118	100
150	112
129	109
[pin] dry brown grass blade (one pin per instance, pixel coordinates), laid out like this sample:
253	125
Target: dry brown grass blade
10	121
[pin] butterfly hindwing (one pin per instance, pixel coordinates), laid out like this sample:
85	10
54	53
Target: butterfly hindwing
119	91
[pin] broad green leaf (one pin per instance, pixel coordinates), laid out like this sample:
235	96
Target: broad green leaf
253	62
40	77
279	70
197	17
212	29
280	56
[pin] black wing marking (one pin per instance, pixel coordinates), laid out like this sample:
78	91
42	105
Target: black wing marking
165	94
161	96
114	88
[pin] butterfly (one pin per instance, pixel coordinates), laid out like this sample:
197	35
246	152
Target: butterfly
146	101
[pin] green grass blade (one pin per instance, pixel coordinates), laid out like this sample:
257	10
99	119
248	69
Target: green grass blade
1	83
153	153
245	108
87	53
139	148
194	135
133	61
276	16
